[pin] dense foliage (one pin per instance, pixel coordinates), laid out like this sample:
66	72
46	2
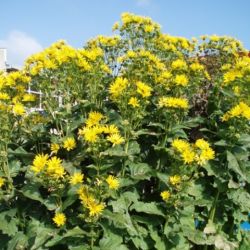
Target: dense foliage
143	143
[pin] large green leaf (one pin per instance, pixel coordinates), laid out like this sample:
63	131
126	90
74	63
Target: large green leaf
19	241
234	165
31	191
76	232
148	208
8	222
140	171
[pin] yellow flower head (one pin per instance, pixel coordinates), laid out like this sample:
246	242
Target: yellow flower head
59	219
116	139
134	102
39	162
95	209
18	109
69	143
2	181
29	98
113	182
175	180
165	195
240	110
143	89
180	145
54	147
188	156
172	102
117	87
89	134
4	96
76	178
202	144
179	64
111	129
94	118
207	154
196	67
54	168
181	80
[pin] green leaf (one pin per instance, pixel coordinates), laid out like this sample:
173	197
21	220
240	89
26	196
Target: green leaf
140	171
234	165
121	220
159	243
8	222
133	148
31	191
69	201
14	167
240	197
76	232
148	208
19	241
43	234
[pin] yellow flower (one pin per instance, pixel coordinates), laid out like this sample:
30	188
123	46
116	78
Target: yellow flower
18	109
29	98
90	134
2	181
240	110
202	144
59	219
69	143
54	168
165	195
76	178
175	180
113	182
4	96
111	129
95	209
133	101
148	28
117	87
188	156
172	102
116	139
231	75
180	145
181	80
179	64
245	110
196	66
54	147
143	89
94	118
39	162
207	154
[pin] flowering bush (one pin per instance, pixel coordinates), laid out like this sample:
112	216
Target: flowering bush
143	143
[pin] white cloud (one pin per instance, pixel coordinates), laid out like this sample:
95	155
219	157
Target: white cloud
19	46
143	3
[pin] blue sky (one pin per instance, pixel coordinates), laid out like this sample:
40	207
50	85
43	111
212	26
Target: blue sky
27	26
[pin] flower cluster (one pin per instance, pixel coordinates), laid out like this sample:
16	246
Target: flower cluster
88	200
172	102
242	110
200	152
94	130
49	167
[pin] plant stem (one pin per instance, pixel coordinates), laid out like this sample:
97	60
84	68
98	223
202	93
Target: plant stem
212	212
